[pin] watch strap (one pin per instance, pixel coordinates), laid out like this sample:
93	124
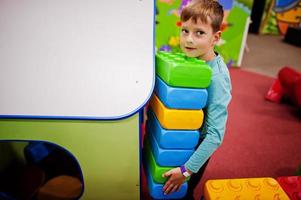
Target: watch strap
184	171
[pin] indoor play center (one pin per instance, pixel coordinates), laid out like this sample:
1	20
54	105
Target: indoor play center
98	101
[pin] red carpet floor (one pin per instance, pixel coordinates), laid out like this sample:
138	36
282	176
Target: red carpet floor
263	139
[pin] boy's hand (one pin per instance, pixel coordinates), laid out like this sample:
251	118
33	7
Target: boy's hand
175	181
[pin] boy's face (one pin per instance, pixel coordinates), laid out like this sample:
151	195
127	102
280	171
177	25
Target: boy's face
198	39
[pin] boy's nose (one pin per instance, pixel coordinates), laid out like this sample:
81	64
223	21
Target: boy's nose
189	39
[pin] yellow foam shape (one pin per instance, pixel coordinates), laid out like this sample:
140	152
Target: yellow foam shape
176	119
248	188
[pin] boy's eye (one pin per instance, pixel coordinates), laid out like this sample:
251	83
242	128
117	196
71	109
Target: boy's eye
184	31
199	33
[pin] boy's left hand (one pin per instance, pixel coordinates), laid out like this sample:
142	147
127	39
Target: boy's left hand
175	181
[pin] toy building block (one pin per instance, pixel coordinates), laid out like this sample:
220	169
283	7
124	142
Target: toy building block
169	157
176	119
248	188
181	71
171	139
291	185
275	93
36	151
180	98
155	169
156	189
290	80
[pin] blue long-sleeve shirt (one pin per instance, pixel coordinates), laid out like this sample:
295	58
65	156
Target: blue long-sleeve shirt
216	114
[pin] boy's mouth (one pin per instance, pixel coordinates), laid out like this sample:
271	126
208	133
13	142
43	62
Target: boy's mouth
190	48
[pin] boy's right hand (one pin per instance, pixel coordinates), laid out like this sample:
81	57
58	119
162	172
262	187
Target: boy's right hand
175	181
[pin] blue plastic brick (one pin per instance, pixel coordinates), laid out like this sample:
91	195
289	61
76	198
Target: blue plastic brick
37	151
169	157
180	98
156	189
171	139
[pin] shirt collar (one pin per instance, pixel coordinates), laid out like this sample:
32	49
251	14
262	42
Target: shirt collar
214	61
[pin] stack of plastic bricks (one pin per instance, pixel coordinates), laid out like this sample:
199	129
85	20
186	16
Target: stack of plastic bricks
174	118
248	188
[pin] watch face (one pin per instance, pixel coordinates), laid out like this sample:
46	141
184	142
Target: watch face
186	174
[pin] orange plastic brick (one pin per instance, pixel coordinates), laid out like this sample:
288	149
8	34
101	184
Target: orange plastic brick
176	118
244	189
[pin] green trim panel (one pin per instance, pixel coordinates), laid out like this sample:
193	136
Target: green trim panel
107	151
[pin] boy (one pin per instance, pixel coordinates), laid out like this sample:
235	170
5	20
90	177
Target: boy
201	21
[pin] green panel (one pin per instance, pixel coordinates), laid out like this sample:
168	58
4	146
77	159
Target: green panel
166	22
107	151
248	3
178	70
233	36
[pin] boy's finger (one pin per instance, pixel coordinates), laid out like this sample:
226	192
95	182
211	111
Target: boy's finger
166	185
179	188
174	188
166	174
167	191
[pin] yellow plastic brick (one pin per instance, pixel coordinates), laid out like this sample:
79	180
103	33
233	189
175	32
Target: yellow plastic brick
244	189
176	119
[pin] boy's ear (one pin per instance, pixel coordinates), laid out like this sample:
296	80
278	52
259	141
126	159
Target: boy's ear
217	36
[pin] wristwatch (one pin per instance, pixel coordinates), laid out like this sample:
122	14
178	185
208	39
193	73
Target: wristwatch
184	171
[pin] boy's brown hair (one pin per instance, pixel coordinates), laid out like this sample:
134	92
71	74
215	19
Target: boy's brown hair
204	10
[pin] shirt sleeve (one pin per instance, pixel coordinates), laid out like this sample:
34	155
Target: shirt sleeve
219	96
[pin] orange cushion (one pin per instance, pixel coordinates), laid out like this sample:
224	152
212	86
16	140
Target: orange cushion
60	188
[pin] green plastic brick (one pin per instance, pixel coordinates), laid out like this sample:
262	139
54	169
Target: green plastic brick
178	70
155	169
